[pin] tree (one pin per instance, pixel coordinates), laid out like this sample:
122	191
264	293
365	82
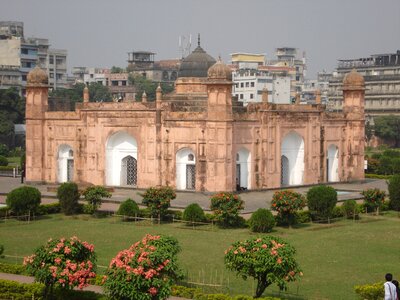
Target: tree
24	199
394	192
115	69
321	200
226	207
97	93
267	259
63	263
388	128
93	195
143	84
68	195
146	270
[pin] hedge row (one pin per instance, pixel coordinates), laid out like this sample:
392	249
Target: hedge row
378	176
370	291
20	291
43	209
13	269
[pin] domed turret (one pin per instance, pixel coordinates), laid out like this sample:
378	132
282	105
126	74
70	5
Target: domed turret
220	71
37	77
196	64
353	80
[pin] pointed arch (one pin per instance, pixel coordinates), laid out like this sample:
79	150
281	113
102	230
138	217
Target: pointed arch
293	149
121	159
333	163
185	169
243	169
65	163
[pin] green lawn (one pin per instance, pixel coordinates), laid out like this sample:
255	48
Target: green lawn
14	161
333	257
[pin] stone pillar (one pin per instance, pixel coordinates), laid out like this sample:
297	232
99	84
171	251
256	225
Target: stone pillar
144	97
86	94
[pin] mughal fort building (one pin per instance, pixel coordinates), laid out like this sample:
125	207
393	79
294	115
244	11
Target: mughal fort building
197	138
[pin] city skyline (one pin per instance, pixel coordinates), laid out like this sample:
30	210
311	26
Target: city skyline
100	33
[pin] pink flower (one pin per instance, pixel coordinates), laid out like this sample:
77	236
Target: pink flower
264	246
57	260
279	260
67	250
153	291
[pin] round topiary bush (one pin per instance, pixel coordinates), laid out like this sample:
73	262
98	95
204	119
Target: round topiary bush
226	207
350	209
24	199
128	208
68	195
321	200
262	220
3	161
394	192
194	213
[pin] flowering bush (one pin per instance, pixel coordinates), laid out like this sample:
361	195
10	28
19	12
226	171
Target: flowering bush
226	207
144	271
267	259
287	203
158	200
62	263
373	198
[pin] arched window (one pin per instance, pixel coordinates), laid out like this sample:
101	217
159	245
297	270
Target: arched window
65	162
243	170
185	169
293	150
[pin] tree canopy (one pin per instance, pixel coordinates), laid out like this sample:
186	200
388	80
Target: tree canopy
388	128
143	84
97	93
12	111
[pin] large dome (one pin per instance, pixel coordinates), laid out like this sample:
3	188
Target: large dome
220	71
196	64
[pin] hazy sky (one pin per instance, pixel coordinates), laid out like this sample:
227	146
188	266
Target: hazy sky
99	33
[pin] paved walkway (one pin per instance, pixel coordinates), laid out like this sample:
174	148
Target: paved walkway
253	199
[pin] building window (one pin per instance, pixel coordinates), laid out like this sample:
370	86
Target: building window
51	75
114	82
251	96
51	60
241	84
247	84
241	96
251	84
190	157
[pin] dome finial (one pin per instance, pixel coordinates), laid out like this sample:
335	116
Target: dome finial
198	39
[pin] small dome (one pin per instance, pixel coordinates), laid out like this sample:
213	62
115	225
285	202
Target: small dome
196	64
37	77
353	80
220	71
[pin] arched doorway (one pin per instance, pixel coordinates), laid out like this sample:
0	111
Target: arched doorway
121	160
65	161
292	150
185	170
284	171
333	163
243	169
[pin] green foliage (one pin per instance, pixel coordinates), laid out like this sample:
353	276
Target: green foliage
62	263
350	209
3	150
128	208
303	217
337	212
377	176
20	291
388	128
158	200
394	192
68	195
374	291
12	111
267	259
97	93
13	269
321	200
145	85
46	209
145	271
262	220
115	69
3	161
373	198
193	213
226	208
23	199
1	251
93	195
287	203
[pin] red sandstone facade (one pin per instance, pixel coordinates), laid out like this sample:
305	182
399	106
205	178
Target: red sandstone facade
197	138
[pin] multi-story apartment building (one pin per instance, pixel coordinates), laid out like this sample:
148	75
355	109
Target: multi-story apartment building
382	83
251	77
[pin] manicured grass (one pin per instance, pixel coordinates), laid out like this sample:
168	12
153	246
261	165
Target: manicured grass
333	257
14	161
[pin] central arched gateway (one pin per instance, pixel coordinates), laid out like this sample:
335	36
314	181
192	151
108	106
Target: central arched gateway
121	160
293	151
185	170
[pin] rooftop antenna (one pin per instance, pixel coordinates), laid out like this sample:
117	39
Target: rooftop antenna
198	39
185	45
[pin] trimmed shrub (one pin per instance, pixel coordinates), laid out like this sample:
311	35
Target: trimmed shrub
394	192
193	213
20	291
373	199
24	199
303	216
226	207
3	150
13	269
46	209
262	220
350	209
93	195
370	291
3	161
146	270
128	208
68	195
321	200
287	203
158	200
62	263
337	212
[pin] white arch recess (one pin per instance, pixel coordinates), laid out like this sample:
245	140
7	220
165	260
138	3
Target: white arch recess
185	162
65	163
118	146
333	163
293	150
243	169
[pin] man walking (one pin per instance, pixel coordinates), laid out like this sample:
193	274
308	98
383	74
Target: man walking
390	288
